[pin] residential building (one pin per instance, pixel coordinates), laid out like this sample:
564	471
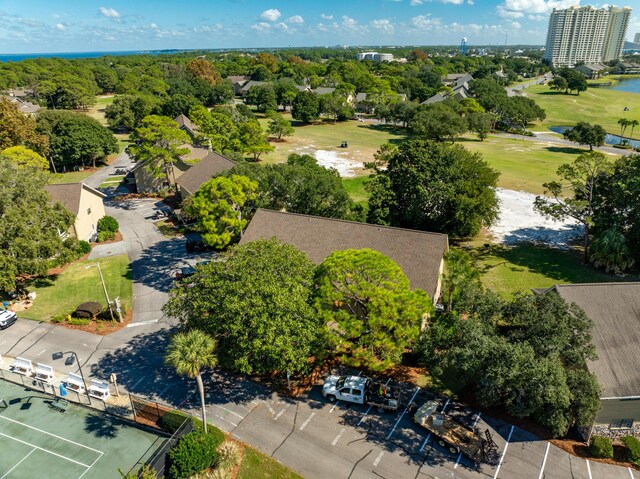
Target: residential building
636	39
616	32
628	68
418	253
211	165
248	85
593	70
458	82
614	309
585	34
85	202
375	56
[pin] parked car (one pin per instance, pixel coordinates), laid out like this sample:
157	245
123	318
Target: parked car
7	318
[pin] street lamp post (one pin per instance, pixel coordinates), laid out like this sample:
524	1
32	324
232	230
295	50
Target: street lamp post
104	287
70	361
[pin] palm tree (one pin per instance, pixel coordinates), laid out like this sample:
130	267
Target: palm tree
624	123
189	353
633	124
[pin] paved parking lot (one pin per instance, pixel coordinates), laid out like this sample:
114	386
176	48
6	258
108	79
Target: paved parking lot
339	440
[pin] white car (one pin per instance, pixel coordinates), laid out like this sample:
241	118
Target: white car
345	388
7	318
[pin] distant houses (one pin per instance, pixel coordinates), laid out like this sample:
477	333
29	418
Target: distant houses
459	84
593	70
375	56
19	97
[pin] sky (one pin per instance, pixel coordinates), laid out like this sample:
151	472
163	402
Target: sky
38	26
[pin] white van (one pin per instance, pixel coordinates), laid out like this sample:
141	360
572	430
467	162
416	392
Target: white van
7	318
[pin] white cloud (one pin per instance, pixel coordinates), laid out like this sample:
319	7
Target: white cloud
60	26
326	17
424	22
153	26
271	15
383	25
109	12
414	3
261	27
295	19
518	8
454	2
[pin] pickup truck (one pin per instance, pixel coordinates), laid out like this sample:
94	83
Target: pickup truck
361	390
452	435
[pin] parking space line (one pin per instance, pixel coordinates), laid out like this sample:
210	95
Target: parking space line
403	413
335	441
271	410
544	461
229	411
280	413
505	452
225	419
589	469
365	414
137	382
377	461
308	420
631	473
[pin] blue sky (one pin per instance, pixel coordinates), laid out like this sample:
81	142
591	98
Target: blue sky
30	26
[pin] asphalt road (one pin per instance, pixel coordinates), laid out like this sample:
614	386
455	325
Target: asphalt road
316	438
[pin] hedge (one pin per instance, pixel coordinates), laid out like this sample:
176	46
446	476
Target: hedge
633	449
108	223
194	453
172	420
601	447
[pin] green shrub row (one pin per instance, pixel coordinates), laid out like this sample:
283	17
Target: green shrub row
194	453
172	420
601	447
633	449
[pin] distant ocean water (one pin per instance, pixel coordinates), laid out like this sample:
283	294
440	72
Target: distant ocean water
16	57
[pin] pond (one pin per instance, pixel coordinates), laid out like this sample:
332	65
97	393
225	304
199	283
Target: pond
631	85
609	139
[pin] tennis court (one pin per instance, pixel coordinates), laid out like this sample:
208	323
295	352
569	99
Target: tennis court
37	441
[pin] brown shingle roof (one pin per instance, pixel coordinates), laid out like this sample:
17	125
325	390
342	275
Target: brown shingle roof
184	122
614	309
418	253
69	194
211	165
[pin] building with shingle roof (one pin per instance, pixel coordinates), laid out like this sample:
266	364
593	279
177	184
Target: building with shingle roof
614	309
418	253
84	202
211	165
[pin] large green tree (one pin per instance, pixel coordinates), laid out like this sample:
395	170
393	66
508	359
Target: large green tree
75	140
434	187
127	111
279	126
300	186
306	107
438	122
581	179
254	139
586	134
370	312
17	129
30	238
256	302
190	352
25	157
159	143
218	208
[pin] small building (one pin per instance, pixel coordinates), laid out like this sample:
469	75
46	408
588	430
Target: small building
628	68
419	253
186	125
593	70
459	84
213	164
614	309
85	202
324	90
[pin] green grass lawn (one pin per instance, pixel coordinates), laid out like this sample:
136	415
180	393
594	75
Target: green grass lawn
364	139
355	188
61	294
509	270
256	465
596	105
70	177
97	110
523	164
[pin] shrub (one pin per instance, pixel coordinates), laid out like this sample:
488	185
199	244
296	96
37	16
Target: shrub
211	431
84	247
601	447
633	449
172	420
78	321
194	453
228	455
108	223
105	236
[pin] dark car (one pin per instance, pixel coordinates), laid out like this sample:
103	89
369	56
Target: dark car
7	318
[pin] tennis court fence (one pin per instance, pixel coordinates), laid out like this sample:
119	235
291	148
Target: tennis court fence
158	461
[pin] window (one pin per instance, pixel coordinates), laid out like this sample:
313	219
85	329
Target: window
621	424
88	211
356	392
